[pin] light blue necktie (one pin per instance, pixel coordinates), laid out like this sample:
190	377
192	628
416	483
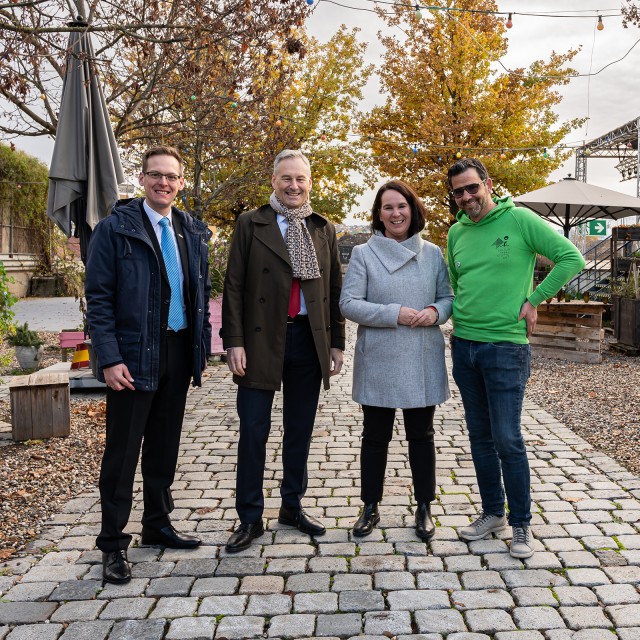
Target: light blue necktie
176	315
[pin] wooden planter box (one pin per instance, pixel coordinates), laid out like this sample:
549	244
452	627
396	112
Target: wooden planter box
40	406
626	320
569	331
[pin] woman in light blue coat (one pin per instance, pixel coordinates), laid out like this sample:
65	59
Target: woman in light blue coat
397	290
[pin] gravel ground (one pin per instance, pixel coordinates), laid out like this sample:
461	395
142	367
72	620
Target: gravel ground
600	402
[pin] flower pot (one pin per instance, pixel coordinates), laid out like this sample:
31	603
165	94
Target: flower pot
28	357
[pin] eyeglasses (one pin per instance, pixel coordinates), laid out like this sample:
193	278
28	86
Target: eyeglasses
156	175
471	189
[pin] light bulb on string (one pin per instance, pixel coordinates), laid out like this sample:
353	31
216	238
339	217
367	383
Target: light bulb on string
587	152
600	25
509	22
310	2
234	105
278	122
415	149
323	137
545	154
193	96
503	155
458	154
418	12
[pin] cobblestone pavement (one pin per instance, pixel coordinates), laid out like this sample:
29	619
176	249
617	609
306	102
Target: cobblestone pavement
582	583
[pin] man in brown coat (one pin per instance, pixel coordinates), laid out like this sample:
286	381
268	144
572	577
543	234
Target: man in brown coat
281	326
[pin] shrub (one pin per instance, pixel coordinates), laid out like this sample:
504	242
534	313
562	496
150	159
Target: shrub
24	337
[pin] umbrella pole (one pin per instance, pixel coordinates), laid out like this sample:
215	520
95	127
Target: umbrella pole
567	225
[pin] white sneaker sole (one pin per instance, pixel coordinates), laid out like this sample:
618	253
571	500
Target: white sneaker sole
521	556
484	535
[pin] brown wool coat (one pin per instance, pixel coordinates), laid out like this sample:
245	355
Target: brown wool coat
256	296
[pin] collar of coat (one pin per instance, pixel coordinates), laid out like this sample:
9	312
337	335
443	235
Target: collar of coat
130	212
393	254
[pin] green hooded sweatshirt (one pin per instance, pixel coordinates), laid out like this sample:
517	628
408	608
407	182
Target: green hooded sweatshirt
491	265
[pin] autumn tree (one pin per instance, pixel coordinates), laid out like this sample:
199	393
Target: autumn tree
448	93
631	13
237	117
137	43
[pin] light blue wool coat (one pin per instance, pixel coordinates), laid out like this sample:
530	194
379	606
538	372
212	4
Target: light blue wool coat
395	365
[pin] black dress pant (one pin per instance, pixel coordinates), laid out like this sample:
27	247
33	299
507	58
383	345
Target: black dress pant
301	378
377	433
151	420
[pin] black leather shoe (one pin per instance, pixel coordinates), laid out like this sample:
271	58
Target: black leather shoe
169	537
301	521
369	518
425	527
241	538
115	568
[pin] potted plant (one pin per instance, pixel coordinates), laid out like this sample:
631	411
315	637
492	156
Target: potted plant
626	308
28	346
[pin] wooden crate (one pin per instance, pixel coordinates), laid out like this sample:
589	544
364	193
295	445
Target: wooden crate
569	331
40	406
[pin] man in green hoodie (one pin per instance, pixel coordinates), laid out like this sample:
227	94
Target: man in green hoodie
491	252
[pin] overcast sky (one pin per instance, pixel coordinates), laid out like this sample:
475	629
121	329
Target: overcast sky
610	99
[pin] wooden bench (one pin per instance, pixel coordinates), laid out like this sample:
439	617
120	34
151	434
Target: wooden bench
40	405
69	340
569	331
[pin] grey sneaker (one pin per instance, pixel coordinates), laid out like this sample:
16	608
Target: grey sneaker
521	543
483	526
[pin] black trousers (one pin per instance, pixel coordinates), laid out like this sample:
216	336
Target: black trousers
151	420
301	378
377	433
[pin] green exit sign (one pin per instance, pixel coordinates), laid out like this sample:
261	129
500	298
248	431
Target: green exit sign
597	228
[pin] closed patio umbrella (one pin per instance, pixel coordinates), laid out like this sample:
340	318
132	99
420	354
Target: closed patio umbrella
85	168
570	202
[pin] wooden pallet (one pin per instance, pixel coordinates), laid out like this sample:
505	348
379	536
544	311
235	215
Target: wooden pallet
569	331
626	349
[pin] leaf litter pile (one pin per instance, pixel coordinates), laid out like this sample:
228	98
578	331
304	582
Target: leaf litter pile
599	402
39	476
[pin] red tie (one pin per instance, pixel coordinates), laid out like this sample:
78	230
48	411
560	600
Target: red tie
294	298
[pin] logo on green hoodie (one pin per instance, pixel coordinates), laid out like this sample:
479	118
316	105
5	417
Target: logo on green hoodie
502	247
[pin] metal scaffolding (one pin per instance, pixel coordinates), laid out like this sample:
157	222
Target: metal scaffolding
621	144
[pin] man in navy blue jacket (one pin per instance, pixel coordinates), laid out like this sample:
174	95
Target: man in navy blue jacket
147	290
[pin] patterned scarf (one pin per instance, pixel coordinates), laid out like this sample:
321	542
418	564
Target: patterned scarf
302	253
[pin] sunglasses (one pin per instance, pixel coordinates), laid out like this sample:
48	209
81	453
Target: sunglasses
471	189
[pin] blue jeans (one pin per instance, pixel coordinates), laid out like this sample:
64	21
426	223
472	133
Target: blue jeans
492	377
